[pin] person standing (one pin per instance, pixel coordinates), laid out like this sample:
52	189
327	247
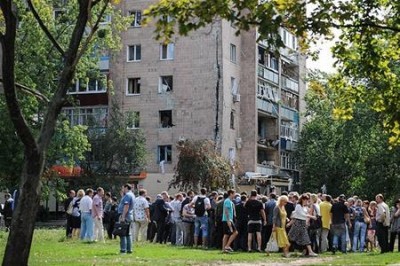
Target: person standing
125	212
279	225
201	204
325	208
67	203
298	232
269	212
382	223
395	226
8	211
340	215
142	216
228	225
177	232
97	215
256	219
85	208
360	226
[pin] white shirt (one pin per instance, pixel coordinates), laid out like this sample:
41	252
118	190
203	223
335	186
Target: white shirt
300	212
140	206
86	204
176	207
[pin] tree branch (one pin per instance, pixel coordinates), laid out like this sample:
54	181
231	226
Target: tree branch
65	77
364	25
93	30
30	91
8	71
45	29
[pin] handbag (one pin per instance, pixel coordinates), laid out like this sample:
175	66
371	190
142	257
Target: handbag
272	245
315	224
121	229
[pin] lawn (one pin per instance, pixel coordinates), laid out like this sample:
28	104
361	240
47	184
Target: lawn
51	248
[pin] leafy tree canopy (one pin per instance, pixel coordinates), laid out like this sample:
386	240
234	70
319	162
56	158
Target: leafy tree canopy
348	156
199	165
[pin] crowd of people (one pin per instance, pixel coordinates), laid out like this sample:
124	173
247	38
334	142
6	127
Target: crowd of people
311	223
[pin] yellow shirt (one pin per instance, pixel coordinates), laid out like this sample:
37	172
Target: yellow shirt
325	209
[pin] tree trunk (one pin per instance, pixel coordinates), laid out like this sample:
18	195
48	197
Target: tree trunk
23	223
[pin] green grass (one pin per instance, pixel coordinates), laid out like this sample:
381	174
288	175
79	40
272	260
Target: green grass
51	248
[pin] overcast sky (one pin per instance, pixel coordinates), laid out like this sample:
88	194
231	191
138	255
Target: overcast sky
325	61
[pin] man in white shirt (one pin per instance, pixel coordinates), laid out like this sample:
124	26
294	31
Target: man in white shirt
85	208
177	229
382	223
97	214
142	216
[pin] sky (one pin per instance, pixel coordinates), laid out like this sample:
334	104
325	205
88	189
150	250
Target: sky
325	60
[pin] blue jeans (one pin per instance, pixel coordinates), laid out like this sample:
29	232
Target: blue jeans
86	226
201	223
126	241
360	230
339	231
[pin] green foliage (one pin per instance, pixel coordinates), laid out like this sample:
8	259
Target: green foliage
199	165
116	150
348	156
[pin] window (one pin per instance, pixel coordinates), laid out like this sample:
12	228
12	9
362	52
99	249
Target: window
88	116
232	120
166	119
92	84
233	53
165	84
165	153
287	161
137	18
133	119
134	53
133	86
234	86
232	156
58	13
106	19
167	51
289	39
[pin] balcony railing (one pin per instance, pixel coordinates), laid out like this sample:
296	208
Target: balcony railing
290	84
289	114
267	107
266	169
268	74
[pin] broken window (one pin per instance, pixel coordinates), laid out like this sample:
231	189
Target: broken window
166	119
165	153
133	86
166	84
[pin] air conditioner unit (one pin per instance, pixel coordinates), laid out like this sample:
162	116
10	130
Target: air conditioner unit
236	98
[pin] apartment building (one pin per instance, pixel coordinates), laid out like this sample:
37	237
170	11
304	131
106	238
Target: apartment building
211	84
173	90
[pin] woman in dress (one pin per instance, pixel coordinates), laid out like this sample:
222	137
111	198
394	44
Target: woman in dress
371	244
300	221
279	225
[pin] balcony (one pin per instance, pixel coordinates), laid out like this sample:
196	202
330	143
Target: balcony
290	84
267	107
289	115
268	74
267	169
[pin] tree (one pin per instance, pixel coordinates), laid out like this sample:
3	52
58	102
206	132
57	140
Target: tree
119	149
367	52
199	165
345	155
67	42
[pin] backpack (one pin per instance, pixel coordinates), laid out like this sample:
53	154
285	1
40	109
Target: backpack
199	207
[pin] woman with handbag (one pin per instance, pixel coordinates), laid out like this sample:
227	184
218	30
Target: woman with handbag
301	220
279	225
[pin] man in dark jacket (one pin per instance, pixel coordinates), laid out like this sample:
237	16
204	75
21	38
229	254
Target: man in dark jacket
160	215
68	227
7	211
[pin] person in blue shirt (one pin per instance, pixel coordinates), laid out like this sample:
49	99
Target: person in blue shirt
269	213
228	225
125	211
